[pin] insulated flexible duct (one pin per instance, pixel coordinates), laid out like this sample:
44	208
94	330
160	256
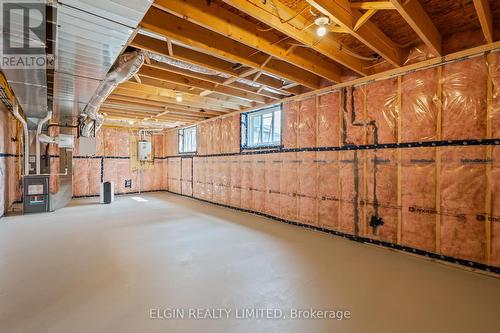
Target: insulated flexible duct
128	65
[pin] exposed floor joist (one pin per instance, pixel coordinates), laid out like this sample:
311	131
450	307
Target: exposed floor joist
484	14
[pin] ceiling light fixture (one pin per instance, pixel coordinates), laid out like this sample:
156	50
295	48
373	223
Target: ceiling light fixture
322	22
178	96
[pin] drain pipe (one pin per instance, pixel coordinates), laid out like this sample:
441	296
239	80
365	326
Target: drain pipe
16	114
38	132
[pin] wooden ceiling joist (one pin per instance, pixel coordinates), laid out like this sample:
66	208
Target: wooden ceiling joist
484	14
212	43
300	30
369	34
217	81
420	22
175	109
228	24
377	5
204	60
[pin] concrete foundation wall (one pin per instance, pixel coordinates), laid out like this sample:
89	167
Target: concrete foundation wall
382	150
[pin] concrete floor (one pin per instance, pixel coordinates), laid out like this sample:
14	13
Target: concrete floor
102	268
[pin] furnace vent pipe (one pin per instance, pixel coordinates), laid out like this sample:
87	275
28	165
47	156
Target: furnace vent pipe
15	111
128	66
38	132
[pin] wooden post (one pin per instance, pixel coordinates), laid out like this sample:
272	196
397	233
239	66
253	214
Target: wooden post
399	161
489	157
365	158
438	158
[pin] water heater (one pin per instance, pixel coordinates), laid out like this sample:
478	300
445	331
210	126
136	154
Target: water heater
144	151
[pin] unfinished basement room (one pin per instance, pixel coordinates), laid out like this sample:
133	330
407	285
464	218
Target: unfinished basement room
256	166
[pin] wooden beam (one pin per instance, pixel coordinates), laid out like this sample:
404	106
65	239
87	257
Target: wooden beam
231	25
217	80
141	115
138	107
212	43
204	60
378	5
170	106
364	18
215	98
152	92
298	29
421	23
484	14
185	77
369	34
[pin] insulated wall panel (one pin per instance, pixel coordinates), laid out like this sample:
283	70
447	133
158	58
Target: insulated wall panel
187	176
463	184
174	175
235	181
289	187
418	100
328	119
272	181
217	178
246	181
418	197
494	219
307	123
464	99
209	177
353	115
290	124
225	171
382	109
495	107
351	180
328	189
258	186
307	187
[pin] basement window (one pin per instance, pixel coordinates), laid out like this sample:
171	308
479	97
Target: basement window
261	128
187	140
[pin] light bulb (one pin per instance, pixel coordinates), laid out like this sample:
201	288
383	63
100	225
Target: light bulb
321	31
178	97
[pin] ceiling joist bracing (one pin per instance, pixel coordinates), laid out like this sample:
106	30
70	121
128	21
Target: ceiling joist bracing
369	34
484	14
420	22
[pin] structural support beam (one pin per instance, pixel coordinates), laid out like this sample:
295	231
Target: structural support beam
299	29
421	23
378	5
369	34
221	21
204	60
364	18
484	14
212	43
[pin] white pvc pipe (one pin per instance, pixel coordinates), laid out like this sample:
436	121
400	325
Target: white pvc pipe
38	132
15	111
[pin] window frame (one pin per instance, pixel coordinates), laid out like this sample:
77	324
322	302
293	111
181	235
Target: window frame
245	132
181	142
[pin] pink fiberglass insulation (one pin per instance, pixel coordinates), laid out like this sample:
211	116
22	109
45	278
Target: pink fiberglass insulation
307	187
121	142
464	99
174	175
289	186
495	211
124	173
9	177
380	193
272	181
351	180
495	108
80	177
198	177
418	198
225	179
306	126
235	181
328	120
463	185
187	176
259	182
246	181
328	189
217	178
158	145
290	123
54	179
419	101
158	176
382	108
216	137
353	115
234	136
210	178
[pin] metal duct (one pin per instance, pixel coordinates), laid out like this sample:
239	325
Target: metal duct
185	65
128	65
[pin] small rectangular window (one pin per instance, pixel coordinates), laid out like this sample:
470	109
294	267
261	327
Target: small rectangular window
261	128
187	140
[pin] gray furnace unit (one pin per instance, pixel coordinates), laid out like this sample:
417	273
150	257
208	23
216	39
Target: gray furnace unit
36	194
